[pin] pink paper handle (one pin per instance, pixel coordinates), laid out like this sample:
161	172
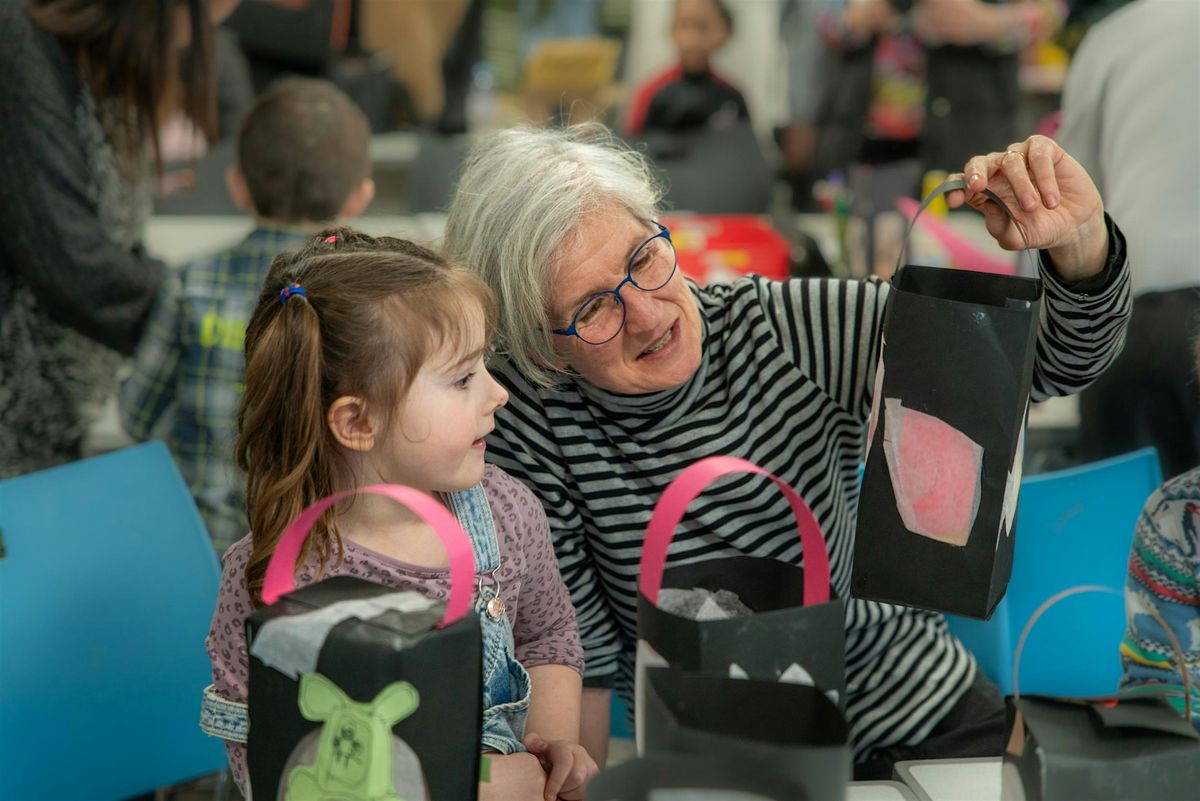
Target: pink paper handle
280	577
687	486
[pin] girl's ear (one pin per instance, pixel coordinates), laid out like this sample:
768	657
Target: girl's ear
351	424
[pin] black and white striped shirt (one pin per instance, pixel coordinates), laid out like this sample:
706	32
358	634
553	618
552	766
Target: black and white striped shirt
785	382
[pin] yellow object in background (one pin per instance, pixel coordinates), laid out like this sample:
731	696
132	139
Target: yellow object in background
1049	54
930	182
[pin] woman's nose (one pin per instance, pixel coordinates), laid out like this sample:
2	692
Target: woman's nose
641	309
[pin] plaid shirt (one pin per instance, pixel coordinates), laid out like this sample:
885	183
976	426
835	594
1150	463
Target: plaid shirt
187	375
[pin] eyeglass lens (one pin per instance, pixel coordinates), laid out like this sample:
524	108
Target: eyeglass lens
650	268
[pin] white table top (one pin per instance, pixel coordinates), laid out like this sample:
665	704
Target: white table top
952	779
878	791
177	238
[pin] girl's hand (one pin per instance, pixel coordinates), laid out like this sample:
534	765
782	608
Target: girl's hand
1053	197
513	777
568	764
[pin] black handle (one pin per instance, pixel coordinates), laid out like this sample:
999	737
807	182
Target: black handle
949	185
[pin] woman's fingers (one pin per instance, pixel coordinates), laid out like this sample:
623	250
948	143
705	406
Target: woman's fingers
995	219
997	222
1042	154
1016	171
956	197
979	169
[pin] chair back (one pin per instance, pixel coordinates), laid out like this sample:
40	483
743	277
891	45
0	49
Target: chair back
1073	527
108	582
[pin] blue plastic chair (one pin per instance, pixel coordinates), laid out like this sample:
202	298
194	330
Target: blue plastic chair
619	727
1073	527
108	582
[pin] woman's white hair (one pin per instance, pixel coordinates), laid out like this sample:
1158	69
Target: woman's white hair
522	193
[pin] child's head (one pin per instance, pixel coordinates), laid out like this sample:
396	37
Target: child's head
303	155
364	364
699	29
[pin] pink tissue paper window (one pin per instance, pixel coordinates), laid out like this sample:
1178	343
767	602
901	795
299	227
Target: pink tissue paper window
935	472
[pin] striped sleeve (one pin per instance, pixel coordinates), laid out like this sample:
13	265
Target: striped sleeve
1083	326
831	329
524	446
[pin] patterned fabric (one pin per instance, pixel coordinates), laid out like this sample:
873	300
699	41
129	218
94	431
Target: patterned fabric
72	274
535	600
187	374
785	381
1164	573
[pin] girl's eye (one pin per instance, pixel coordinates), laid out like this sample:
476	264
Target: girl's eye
464	381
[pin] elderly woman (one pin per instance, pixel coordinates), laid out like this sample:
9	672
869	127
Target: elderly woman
621	373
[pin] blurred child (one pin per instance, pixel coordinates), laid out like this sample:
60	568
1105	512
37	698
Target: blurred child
364	365
927	82
690	95
303	162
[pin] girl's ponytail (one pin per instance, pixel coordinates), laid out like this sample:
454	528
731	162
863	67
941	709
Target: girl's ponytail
347	315
284	446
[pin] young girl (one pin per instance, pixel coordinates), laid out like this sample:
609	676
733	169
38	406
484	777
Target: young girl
364	365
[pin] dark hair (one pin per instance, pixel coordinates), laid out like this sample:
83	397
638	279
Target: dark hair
303	147
374	309
125	49
722	9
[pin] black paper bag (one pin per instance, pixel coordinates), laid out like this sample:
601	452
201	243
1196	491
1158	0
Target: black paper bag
794	730
945	441
1128	749
796	631
358	691
1112	749
691	778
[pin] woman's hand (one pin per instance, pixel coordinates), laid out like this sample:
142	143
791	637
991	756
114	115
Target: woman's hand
513	777
1054	199
568	764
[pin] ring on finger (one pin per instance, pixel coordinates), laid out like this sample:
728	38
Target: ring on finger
1016	153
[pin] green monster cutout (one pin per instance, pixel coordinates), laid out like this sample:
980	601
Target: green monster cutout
354	755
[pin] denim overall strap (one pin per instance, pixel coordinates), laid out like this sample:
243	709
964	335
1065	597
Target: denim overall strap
505	683
475	516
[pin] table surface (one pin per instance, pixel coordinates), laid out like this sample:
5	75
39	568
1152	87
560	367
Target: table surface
952	779
878	791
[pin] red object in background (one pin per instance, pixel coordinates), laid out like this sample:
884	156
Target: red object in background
718	249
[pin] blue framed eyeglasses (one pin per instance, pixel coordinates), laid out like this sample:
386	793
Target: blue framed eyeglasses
602	316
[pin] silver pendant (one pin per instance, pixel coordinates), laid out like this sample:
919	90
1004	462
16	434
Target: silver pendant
495	608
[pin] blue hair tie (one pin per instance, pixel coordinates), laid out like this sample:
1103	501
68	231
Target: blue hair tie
288	291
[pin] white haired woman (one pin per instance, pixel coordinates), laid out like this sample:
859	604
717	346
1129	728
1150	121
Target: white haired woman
621	373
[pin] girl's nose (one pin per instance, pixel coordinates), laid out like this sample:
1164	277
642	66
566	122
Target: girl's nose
499	395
